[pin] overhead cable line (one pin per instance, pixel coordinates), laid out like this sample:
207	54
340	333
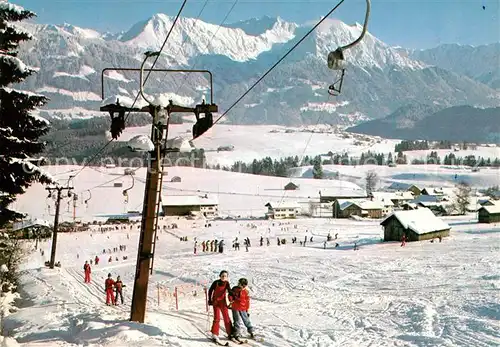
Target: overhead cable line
138	93
278	62
209	42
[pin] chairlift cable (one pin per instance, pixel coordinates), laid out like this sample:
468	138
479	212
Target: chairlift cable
138	93
278	62
209	42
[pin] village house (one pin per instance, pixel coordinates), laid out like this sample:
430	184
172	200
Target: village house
282	210
489	214
291	186
418	225
32	228
397	198
405	187
182	205
357	207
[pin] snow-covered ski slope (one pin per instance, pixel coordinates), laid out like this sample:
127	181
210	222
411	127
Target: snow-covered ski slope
276	141
424	294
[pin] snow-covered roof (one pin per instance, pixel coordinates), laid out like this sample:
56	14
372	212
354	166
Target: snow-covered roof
188	200
401	186
421	221
381	196
361	203
30	223
284	204
493	209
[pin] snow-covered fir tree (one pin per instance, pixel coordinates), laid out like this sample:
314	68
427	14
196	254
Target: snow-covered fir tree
20	128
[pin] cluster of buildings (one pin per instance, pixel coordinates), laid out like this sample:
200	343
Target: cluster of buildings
380	204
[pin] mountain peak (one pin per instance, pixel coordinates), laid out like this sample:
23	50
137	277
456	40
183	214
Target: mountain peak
192	37
258	26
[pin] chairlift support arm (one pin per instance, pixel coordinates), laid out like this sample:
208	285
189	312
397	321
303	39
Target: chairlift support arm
159	70
365	28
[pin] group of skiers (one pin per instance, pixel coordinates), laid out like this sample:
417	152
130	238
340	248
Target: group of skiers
210	246
222	298
109	285
112	288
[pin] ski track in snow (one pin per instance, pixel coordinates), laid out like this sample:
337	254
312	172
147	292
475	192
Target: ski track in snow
426	294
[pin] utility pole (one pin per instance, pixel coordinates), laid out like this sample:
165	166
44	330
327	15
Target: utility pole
157	147
146	241
58	191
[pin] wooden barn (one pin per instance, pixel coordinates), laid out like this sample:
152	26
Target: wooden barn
489	214
357	207
182	205
418	225
291	186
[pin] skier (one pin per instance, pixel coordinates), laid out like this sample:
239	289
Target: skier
217	299
403	240
240	303
203	246
221	246
108	285
96	260
118	289
87	270
195	246
261	241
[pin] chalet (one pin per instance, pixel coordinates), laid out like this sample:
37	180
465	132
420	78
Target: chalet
327	196
397	198
489	214
291	186
433	203
357	207
182	205
282	210
175	179
405	187
29	229
418	225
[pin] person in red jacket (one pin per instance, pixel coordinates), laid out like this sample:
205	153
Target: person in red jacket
217	299
87	270
240	303
96	260
403	240
108	285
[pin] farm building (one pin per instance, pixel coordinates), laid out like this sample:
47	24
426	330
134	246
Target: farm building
400	186
489	214
291	186
397	198
181	205
30	229
357	207
418	225
282	210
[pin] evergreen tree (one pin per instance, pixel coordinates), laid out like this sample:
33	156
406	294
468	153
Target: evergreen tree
19	128
317	168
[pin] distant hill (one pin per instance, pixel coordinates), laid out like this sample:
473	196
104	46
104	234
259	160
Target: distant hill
431	122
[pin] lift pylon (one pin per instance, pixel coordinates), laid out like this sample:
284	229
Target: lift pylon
154	178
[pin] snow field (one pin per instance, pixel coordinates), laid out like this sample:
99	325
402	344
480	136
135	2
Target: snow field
258	141
425	294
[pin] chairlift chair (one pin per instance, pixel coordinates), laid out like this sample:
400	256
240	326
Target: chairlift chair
336	59
125	192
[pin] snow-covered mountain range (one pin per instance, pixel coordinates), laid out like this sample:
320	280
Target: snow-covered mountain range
379	78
